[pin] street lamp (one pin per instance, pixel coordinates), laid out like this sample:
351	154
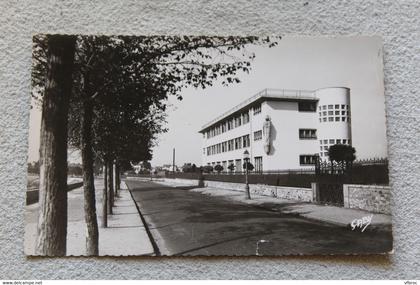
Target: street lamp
246	158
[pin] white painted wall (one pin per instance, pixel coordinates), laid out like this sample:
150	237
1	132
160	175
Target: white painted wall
286	145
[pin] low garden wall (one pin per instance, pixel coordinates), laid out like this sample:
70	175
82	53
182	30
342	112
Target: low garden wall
371	198
281	192
32	196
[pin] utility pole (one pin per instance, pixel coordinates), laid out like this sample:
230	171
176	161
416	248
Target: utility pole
173	160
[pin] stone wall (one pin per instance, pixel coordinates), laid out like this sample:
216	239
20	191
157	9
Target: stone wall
32	196
371	198
281	192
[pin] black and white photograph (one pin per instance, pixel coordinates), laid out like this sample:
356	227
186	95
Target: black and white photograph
199	145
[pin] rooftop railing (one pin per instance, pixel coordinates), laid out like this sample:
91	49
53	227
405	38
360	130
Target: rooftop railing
266	93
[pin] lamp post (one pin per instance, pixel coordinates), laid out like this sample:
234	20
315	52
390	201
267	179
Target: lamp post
246	158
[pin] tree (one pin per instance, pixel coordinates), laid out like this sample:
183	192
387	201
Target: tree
123	81
146	165
57	66
231	167
218	168
249	165
343	154
208	168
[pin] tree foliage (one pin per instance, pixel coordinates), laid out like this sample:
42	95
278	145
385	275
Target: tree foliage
342	153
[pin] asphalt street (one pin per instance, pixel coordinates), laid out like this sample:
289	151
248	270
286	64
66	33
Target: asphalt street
182	222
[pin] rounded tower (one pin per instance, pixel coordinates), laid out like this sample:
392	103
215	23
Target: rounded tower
334	118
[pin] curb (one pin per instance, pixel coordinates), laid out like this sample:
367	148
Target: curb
146	226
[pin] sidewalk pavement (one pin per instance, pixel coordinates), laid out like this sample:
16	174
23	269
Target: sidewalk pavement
124	236
329	214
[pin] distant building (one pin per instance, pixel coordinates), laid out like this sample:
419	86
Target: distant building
281	129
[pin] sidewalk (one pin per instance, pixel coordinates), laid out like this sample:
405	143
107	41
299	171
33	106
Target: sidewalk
124	236
329	214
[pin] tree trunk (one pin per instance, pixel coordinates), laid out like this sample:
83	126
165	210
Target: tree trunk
88	179
117	178
105	199
110	188
52	221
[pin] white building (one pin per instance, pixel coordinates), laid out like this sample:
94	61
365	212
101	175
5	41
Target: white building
281	129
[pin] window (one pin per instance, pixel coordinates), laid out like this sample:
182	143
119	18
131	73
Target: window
337	119
330	113
324	107
343	106
337	106
245	141
307	133
338	141
330	106
331	141
344	141
257	109
238	165
230	145
230	125
258	163
237	143
258	135
330	119
307	159
325	141
337	113
324	113
238	121
245	118
306	106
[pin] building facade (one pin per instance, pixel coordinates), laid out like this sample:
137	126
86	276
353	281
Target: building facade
281	129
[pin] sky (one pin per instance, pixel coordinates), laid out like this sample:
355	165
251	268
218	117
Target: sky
295	63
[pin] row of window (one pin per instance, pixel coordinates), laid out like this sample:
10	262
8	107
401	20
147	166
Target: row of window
307	106
238	164
308	159
325	144
258	135
227	125
232	123
332	113
334	119
307	133
334	141
233	144
332	107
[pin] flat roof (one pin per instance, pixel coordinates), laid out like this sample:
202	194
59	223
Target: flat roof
264	95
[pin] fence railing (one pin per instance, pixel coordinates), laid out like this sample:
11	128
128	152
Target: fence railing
360	173
288	179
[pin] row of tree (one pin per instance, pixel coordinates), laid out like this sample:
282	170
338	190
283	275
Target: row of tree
106	96
191	168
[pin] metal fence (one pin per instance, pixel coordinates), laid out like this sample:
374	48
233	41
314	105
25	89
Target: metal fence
276	178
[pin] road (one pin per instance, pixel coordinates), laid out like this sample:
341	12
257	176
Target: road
183	222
